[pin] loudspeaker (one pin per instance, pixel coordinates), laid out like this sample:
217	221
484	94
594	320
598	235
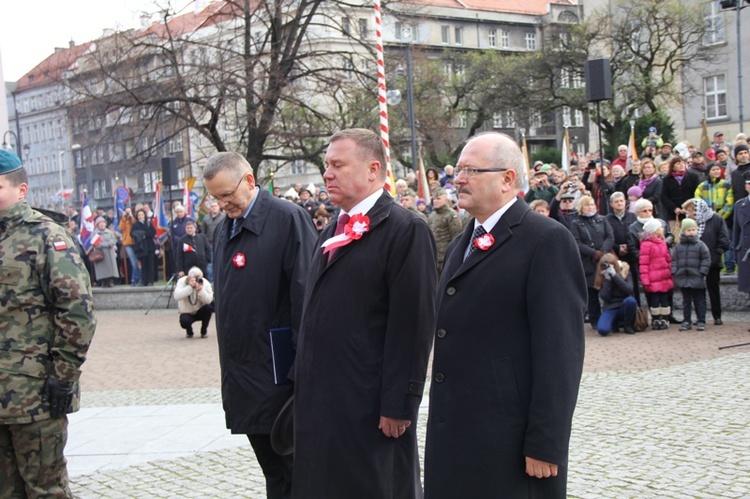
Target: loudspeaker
169	171
598	80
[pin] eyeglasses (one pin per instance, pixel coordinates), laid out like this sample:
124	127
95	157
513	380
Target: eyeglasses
471	172
228	197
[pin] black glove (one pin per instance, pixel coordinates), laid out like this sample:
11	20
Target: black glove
59	395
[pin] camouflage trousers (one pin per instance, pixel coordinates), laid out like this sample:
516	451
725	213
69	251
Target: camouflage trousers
31	459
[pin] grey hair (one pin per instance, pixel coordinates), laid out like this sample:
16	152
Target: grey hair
233	163
643	203
506	154
616	195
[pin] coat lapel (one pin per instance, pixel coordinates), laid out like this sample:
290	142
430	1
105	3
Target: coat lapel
502	231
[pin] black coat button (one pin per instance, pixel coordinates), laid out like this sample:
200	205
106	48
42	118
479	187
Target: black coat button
451	291
441	333
439	377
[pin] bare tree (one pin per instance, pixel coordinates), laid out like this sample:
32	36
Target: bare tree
256	76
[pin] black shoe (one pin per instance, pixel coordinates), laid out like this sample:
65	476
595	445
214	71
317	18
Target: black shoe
189	333
729	271
701	326
629	330
686	326
718	322
204	332
615	329
673	320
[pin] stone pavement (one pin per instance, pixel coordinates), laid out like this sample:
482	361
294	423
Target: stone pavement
660	414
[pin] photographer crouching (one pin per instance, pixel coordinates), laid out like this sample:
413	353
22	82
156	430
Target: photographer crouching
195	299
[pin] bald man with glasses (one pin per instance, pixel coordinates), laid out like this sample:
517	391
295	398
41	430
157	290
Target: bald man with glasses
509	342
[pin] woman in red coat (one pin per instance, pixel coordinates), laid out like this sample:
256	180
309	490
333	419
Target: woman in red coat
655	272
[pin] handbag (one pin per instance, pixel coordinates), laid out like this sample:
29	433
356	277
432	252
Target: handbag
96	255
641	319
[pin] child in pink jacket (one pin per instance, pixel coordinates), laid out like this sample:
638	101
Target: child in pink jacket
656	273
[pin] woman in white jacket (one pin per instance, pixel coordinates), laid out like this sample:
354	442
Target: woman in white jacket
195	299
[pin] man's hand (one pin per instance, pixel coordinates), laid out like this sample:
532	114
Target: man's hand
393	427
59	395
540	469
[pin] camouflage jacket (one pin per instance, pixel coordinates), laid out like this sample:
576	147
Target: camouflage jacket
445	224
46	312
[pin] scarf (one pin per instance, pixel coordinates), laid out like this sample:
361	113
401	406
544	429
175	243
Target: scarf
678	176
703	214
645	182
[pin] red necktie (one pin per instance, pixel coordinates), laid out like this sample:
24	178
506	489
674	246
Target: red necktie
342	221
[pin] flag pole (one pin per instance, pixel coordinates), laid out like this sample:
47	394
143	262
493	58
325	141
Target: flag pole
382	102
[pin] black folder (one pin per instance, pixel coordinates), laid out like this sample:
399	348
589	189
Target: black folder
282	354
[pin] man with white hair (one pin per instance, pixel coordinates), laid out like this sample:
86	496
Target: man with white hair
622	157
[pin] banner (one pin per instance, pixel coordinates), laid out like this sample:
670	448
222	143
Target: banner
527	167
423	185
632	151
566	152
122	201
88	236
161	224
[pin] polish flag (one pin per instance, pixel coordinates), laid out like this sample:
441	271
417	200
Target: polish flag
186	248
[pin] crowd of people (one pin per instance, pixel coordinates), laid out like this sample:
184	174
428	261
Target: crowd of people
366	285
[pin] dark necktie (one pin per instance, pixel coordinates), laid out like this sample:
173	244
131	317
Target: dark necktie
236	226
342	221
478	232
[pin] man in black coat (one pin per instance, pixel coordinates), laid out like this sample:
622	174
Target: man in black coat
506	365
262	252
365	339
193	250
620	219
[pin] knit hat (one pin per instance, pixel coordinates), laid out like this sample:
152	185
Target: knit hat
652	225
635	191
689	223
739	148
99	219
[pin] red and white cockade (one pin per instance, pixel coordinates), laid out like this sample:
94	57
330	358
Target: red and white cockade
484	242
354	229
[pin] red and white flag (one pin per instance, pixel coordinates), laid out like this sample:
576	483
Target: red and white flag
186	248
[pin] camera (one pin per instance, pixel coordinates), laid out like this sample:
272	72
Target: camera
198	280
605	265
592	165
571	185
319	222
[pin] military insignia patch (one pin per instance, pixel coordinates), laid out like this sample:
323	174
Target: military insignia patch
60	245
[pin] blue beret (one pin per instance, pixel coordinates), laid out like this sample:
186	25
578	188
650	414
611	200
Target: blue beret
9	162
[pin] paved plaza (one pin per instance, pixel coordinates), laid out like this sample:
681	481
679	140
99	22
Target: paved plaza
660	415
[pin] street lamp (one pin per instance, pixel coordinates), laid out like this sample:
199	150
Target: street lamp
737	5
60	153
394	96
6	144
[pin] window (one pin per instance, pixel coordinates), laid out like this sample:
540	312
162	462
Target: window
346	25
714	24
492	38
459	32
174	144
578	118
564	78
530	41
715	91
497	120
566	116
505	40
581	150
445	34
363	31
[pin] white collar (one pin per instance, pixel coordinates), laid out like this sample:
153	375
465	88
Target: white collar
492	220
365	205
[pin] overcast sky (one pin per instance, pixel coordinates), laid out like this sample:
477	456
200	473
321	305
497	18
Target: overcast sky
31	29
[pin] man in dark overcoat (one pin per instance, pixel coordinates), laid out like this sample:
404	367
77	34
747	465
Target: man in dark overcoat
741	237
510	340
365	338
262	252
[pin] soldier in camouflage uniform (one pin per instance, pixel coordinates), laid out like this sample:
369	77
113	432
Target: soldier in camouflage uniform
46	324
408	199
444	222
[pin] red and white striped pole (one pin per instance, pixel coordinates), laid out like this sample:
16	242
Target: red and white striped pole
390	183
